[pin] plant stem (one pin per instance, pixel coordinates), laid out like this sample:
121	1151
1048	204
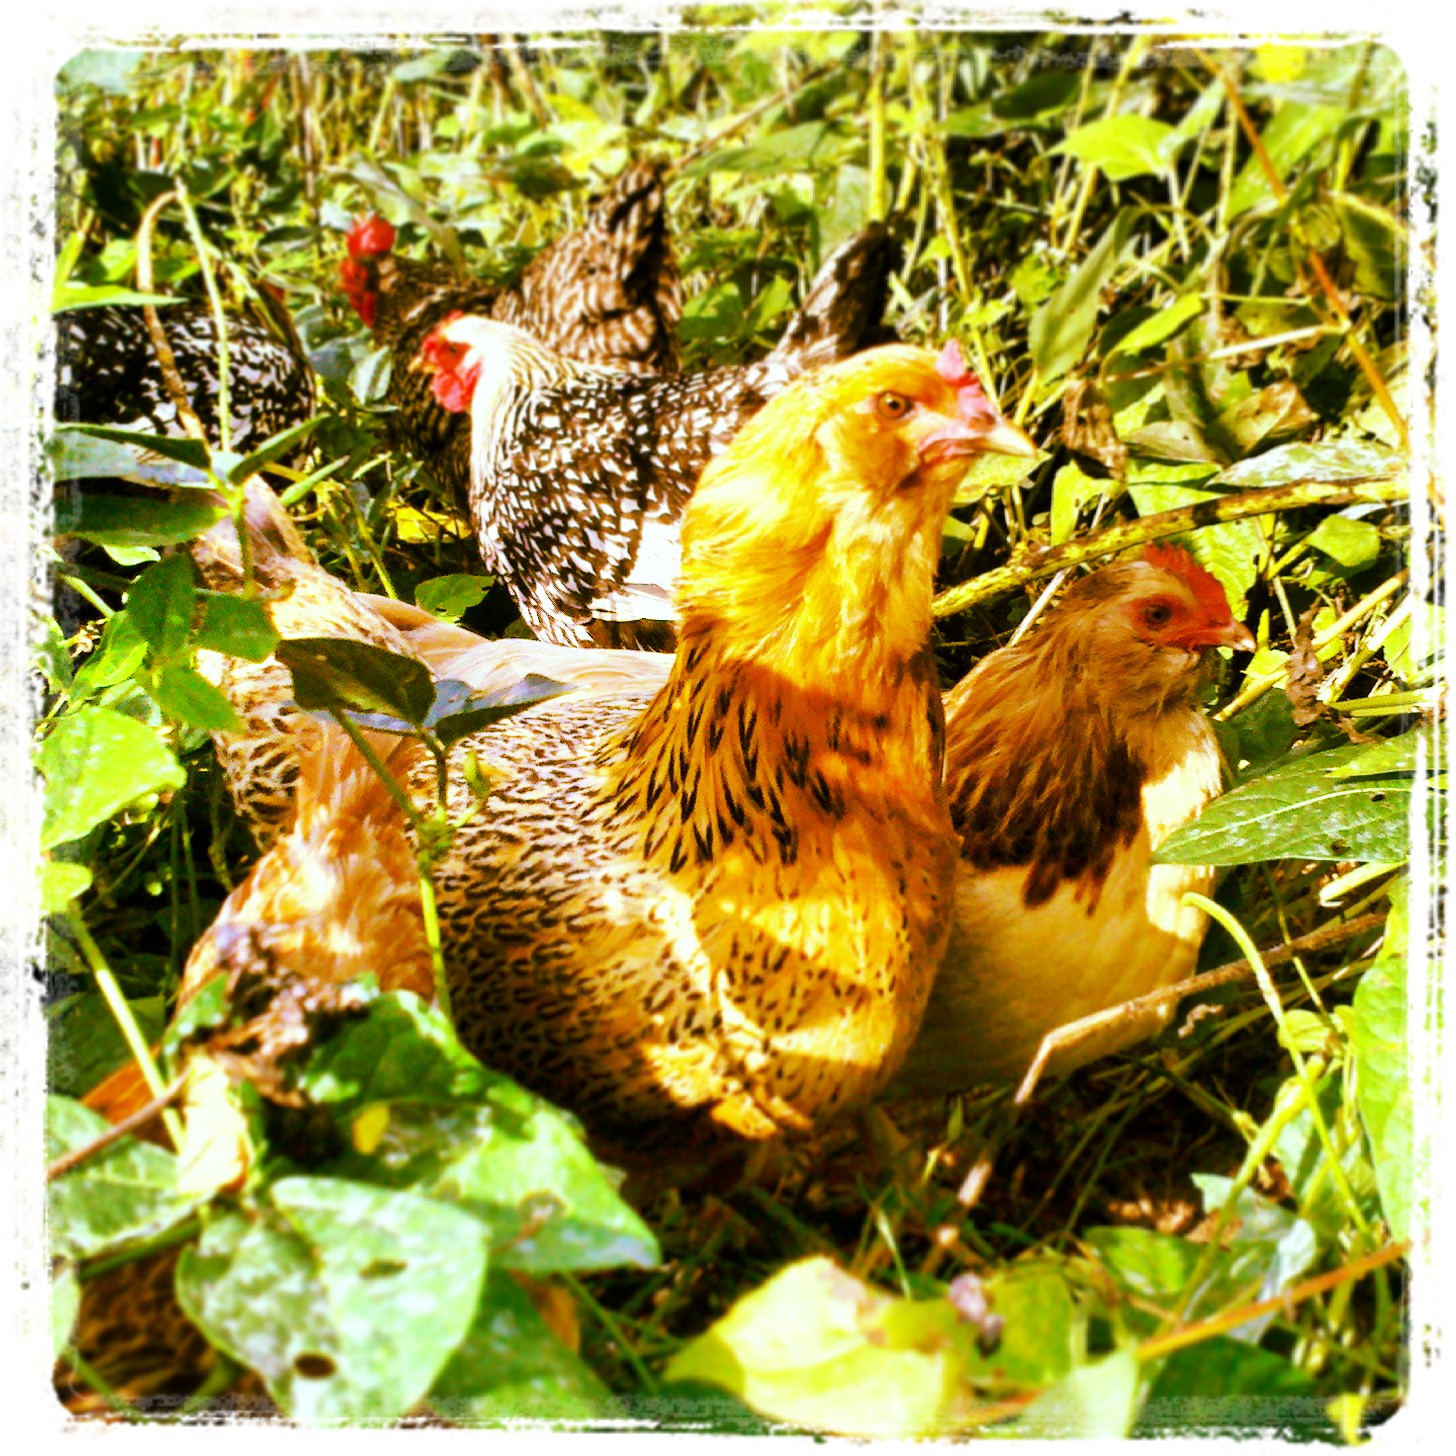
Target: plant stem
1040	561
130	1031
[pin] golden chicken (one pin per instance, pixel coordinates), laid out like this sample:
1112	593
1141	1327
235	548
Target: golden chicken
717	906
1070	756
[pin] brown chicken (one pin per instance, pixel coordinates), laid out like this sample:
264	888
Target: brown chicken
1070	756
608	293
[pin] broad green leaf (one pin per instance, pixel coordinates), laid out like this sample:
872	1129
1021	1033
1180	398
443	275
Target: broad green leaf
65	1306
77	456
84	1043
126	521
450	597
441	1124
126	1191
1294	132
1041	95
235	625
369	378
96	762
456	715
184	694
1301	811
1041	1334
334	673
1391	755
1329	462
1418	641
107	70
117	657
60	883
1354	544
347	1300
820	1349
160	605
1096	1402
181	448
1380	1035
510	1367
1072	488
1122	146
1254	740
1062	327
1222	1384
1162	325
794	149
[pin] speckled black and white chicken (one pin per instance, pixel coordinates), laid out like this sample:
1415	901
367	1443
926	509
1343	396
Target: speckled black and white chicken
609	293
579	475
107	372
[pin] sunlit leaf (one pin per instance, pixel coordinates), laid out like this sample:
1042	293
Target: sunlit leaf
235	625
60	883
450	597
160	605
1062	327
1123	146
184	694
1095	1402
332	672
348	1300
1300	810
1353	544
95	762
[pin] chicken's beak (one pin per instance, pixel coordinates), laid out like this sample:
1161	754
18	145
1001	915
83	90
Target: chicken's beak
1232	634
959	438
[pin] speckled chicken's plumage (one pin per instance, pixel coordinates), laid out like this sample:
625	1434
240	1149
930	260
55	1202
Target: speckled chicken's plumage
579	476
107	372
608	293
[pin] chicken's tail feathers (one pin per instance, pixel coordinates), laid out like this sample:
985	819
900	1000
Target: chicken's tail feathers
844	311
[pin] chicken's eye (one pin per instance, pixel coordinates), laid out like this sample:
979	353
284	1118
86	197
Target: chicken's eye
1157	614
893	407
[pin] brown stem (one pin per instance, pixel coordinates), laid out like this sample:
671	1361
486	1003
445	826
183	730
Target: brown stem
1042	561
140	1118
166	359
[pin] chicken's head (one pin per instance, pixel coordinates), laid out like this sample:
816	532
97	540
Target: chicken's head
368	240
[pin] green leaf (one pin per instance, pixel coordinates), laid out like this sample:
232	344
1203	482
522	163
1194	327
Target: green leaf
1123	146
71	295
126	521
184	694
335	673
1294	132
1039	97
1095	1402
1379	1032
1062	327
1300	811
1375	241
60	883
235	625
347	1300
820	1349
1418	641
1221	1384
126	1191
1354	544
181	448
450	597
84	1043
107	70
1401	754
1041	1337
160	605
1161	325
794	149
510	1368
117	657
460	710
96	762
1072	488
76	456
444	1126
1329	462
273	448
65	1306
369	378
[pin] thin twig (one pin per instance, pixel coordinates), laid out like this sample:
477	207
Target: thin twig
1042	561
138	1119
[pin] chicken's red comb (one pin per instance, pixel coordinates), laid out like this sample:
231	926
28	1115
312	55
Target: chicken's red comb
435	349
1206	588
971	402
370	237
